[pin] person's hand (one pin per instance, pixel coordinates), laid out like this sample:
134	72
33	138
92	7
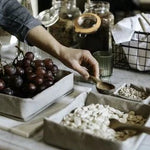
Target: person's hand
80	60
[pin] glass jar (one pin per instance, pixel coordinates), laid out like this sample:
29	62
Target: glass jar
22	45
101	40
63	28
27	4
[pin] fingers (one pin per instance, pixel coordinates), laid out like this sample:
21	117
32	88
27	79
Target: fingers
90	66
83	71
81	61
93	64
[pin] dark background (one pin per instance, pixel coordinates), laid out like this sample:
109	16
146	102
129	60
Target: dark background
116	5
44	4
120	8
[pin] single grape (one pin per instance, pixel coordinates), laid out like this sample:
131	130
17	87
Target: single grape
2	84
31	87
48	63
8	91
54	69
38	80
28	89
19	70
10	69
26	62
17	81
37	63
48	74
31	76
28	70
51	78
40	71
29	55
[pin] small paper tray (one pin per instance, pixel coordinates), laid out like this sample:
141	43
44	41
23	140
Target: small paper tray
64	137
25	108
139	88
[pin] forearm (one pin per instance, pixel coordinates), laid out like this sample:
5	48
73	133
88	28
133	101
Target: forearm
17	20
73	58
39	37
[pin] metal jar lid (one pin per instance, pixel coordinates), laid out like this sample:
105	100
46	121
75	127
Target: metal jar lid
87	23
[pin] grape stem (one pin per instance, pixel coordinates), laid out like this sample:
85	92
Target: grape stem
1	66
20	52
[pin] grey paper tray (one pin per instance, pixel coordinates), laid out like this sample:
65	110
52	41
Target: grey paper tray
140	88
72	139
26	108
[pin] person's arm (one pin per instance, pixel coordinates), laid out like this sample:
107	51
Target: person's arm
16	19
80	60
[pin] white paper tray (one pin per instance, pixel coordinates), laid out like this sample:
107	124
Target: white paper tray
73	139
26	108
140	88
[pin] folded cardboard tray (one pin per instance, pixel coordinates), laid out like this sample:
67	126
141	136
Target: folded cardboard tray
139	88
61	136
26	108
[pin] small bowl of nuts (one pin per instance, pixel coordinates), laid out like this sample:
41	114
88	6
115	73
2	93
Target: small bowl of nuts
134	93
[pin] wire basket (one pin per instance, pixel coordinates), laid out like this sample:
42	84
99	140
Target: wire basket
133	55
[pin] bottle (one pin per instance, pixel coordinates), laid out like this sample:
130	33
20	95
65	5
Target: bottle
22	45
27	4
101	40
63	28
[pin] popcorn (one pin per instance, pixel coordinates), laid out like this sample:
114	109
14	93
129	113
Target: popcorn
94	119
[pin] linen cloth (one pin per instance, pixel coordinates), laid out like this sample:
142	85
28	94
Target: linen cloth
29	128
134	41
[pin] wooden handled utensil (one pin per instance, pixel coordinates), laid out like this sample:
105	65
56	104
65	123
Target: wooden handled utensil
103	87
116	125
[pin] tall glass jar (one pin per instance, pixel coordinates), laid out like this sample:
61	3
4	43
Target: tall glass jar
63	28
101	40
27	4
22	45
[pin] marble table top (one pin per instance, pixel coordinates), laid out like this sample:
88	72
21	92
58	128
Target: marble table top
11	141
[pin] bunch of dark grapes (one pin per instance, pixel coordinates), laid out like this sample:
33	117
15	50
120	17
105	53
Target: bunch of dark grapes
26	77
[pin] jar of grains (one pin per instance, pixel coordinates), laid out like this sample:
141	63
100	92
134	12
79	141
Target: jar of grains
63	28
101	39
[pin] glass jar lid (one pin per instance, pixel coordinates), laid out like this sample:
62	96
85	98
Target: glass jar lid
48	17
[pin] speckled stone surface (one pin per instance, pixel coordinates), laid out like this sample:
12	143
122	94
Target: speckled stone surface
13	142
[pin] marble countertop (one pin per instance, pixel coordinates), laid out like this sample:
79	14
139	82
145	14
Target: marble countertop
11	141
144	1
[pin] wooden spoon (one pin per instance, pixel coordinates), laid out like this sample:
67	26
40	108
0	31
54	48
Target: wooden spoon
103	87
116	125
